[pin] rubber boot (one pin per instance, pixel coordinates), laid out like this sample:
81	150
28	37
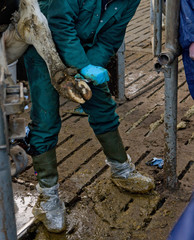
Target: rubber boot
112	146
49	209
123	172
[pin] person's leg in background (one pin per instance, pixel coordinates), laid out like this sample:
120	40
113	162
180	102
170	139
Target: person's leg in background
43	137
189	70
183	229
104	122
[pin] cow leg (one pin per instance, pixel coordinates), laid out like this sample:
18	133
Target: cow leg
14	45
33	29
3	62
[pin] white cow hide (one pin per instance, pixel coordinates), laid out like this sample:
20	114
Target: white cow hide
29	26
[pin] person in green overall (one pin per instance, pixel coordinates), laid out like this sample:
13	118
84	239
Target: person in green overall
87	33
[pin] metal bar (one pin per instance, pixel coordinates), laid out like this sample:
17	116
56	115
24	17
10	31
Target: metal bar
7	216
157	43
171	79
121	72
173	49
170	120
168	63
172	26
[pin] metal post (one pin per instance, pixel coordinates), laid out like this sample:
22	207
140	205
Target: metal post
157	43
169	60
7	216
121	72
172	26
171	79
170	120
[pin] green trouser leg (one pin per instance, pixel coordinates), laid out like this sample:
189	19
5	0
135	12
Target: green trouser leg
46	122
113	146
45	165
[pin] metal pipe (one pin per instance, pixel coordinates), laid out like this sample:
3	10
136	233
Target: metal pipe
165	58
170	121
121	73
158	67
157	43
171	79
7	216
173	49
172	26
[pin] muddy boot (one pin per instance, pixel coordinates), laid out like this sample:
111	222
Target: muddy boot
49	209
126	177
123	173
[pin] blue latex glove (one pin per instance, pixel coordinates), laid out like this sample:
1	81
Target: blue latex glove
97	74
156	162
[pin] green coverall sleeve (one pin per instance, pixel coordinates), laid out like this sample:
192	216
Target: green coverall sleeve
109	41
62	16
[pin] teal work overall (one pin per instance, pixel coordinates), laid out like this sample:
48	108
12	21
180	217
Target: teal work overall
82	36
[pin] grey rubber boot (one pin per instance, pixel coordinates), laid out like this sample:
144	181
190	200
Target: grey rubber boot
49	209
123	172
